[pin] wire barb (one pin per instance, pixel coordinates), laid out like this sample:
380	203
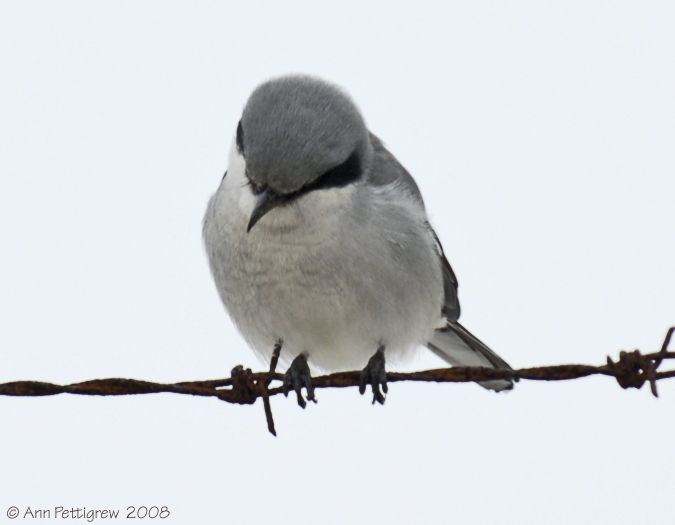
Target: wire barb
659	359
264	387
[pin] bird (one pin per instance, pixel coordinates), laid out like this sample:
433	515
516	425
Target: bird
318	241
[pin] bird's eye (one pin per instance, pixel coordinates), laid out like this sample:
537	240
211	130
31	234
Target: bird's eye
256	188
240	139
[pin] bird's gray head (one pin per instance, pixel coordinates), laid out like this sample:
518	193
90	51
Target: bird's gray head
299	134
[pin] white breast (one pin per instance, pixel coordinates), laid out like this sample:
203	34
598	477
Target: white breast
335	275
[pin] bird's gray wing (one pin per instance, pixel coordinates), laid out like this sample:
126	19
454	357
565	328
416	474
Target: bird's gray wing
387	170
450	308
452	343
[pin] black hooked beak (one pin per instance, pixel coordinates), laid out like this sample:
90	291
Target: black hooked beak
264	202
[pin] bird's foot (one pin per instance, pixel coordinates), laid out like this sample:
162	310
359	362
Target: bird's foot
296	377
375	375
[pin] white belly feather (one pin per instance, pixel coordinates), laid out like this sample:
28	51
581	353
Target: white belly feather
325	274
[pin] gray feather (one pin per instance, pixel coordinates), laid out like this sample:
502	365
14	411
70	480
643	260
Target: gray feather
386	169
316	126
459	347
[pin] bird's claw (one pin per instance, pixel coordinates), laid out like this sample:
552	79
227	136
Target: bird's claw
375	374
298	376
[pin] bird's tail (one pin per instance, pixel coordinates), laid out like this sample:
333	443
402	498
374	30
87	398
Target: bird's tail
459	347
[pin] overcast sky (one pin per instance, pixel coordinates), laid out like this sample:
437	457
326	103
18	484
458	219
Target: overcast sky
542	140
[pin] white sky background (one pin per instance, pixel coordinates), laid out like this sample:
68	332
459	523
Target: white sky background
542	140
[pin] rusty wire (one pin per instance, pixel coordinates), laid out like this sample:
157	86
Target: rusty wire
631	371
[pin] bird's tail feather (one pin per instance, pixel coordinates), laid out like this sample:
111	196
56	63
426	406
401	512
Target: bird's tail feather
459	347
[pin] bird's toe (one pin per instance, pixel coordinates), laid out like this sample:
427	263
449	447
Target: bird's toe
375	374
297	377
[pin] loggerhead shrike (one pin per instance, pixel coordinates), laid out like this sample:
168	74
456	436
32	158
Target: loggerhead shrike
318	239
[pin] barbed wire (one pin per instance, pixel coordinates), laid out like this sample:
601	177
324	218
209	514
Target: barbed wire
244	387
